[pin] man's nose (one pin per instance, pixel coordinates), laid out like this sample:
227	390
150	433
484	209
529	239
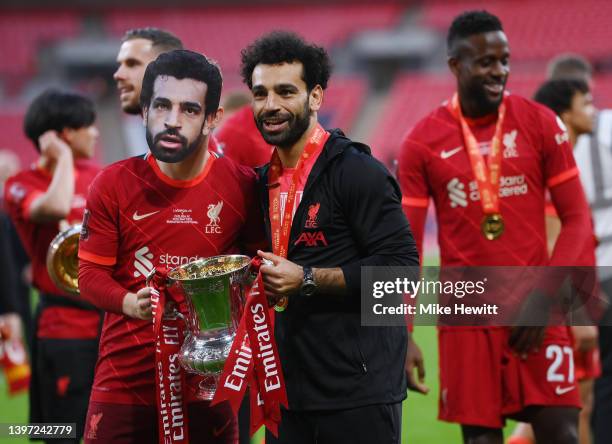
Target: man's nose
119	74
173	118
271	102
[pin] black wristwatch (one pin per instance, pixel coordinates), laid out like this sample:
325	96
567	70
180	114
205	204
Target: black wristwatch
309	287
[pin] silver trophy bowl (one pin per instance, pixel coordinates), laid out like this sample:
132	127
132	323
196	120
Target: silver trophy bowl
214	292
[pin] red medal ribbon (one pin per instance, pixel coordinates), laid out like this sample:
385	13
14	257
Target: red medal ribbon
254	360
487	174
173	423
281	231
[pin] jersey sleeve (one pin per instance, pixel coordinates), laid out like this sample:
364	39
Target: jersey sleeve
415	189
100	231
412	173
18	196
559	164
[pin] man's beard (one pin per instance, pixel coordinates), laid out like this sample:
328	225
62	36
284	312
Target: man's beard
296	126
479	97
132	108
172	155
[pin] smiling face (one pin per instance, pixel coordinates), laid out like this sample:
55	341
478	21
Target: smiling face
133	58
176	126
481	66
282	105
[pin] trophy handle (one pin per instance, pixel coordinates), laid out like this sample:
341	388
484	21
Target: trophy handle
150	276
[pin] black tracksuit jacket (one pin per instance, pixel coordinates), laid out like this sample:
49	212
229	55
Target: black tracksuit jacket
329	360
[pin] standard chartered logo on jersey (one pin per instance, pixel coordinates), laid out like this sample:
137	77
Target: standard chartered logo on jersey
143	261
509	186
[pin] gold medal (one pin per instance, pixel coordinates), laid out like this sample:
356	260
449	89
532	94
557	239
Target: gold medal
492	226
281	305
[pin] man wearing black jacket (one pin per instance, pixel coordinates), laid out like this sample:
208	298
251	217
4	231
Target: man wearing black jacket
329	209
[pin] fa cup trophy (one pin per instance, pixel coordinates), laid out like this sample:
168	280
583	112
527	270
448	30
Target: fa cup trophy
213	289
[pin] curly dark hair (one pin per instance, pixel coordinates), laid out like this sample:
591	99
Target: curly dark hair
282	46
56	110
558	94
470	23
184	64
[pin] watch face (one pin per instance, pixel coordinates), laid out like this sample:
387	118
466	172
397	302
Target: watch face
308	288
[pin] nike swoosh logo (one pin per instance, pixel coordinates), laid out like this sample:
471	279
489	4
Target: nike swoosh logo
446	154
137	216
218	430
562	391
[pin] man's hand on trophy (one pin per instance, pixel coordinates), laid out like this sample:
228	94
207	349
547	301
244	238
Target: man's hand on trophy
281	278
138	305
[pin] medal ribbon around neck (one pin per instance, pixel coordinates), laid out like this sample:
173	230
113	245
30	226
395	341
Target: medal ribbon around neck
487	174
282	231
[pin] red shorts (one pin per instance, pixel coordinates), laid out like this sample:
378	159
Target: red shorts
135	424
482	381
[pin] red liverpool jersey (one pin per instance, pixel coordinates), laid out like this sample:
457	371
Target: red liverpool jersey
20	191
138	219
535	155
240	140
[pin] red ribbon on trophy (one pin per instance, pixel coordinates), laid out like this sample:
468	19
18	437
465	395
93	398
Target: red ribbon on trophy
254	360
170	381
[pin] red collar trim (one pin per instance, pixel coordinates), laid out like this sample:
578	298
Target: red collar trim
181	183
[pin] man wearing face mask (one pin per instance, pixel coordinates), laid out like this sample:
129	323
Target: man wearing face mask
153	211
139	47
488	374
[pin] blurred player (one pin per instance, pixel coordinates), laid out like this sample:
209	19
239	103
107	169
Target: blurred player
571	100
9	303
593	155
241	141
139	47
42	202
490	373
151	211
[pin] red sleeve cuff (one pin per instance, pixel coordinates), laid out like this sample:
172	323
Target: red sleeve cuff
562	177
96	259
420	202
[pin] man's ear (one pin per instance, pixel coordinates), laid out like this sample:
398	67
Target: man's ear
212	121
145	113
565	116
315	98
453	65
67	135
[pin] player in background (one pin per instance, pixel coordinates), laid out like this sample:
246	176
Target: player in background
571	100
177	203
139	47
488	374
42	201
593	154
241	141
